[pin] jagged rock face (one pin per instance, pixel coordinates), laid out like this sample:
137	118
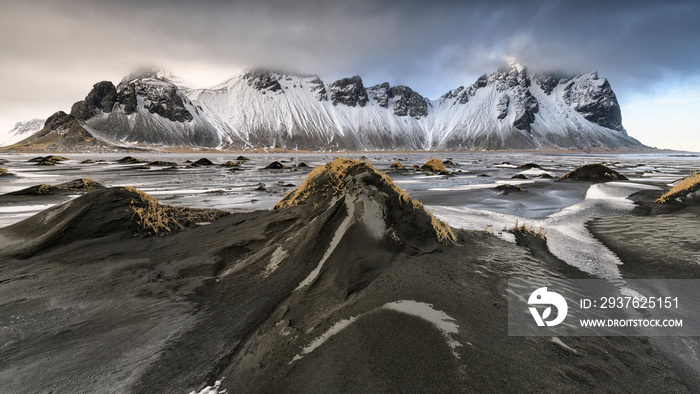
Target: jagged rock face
593	98
319	89
348	91
548	82
262	80
406	102
159	97
102	97
127	97
502	106
515	83
163	99
462	94
526	106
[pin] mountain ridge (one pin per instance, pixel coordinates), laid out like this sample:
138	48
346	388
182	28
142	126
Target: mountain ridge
507	109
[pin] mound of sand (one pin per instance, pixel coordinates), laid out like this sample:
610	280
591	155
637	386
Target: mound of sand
346	176
594	173
435	166
203	162
129	160
48	160
529	166
686	189
275	165
82	184
161	163
505	189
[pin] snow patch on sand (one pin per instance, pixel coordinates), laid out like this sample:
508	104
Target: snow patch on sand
277	256
211	389
425	311
344	226
336	328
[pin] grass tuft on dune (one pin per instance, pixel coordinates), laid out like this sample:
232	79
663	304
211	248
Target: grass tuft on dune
154	218
337	170
687	185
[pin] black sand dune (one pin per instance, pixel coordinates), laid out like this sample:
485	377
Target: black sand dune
90	302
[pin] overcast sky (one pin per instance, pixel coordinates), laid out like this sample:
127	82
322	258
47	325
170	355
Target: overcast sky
54	51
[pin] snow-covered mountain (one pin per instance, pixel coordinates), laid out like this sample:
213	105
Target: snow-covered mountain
21	131
507	109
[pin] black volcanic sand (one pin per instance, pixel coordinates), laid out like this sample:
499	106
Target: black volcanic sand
656	240
659	241
87	306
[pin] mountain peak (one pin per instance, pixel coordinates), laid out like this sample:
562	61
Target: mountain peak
151	73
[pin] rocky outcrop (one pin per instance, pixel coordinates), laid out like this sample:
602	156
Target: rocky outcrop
404	101
262	80
348	91
461	94
593	98
102	97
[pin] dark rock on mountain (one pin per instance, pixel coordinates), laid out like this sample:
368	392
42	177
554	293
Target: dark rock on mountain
502	106
462	94
548	82
262	80
127	97
594	99
348	91
405	100
319	89
515	83
102	97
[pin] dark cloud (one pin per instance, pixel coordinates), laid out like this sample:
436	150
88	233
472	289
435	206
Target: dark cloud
432	46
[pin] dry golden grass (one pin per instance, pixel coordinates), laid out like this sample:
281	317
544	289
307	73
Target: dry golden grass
687	185
434	165
155	218
88	184
337	170
3	171
397	164
527	229
43	189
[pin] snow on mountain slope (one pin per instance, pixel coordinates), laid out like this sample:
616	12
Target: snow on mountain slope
271	109
21	131
266	109
506	110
